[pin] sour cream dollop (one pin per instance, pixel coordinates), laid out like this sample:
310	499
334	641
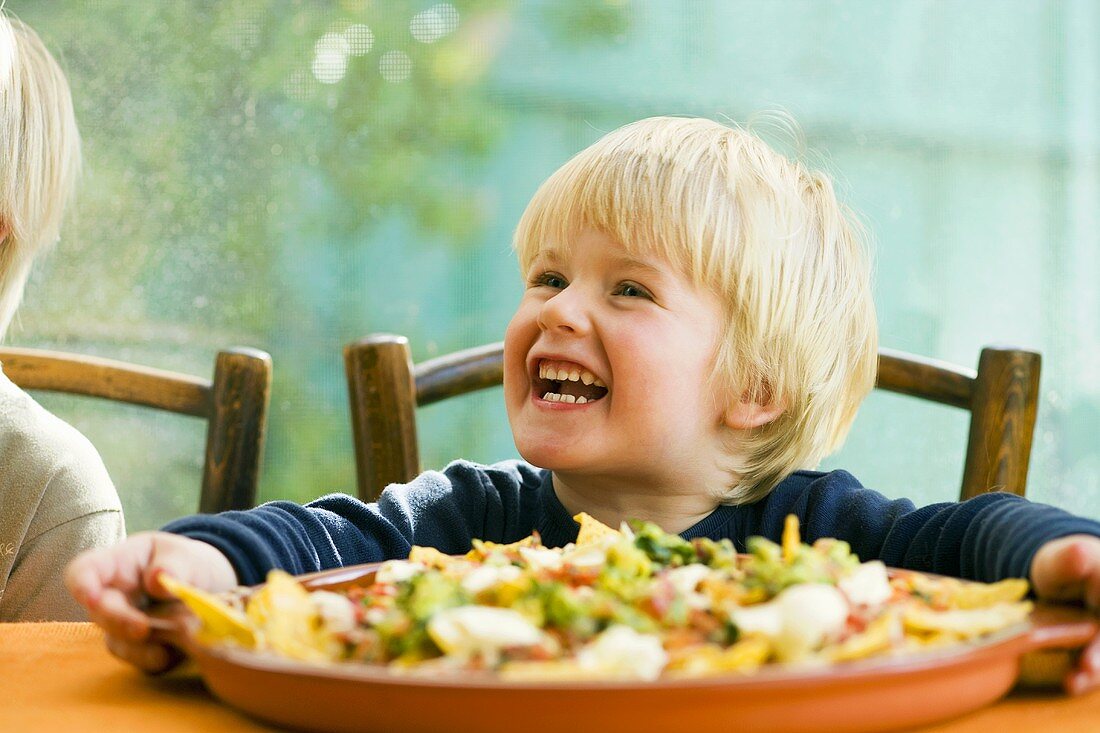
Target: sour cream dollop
798	620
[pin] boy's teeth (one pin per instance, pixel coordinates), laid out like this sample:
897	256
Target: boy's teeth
555	397
569	375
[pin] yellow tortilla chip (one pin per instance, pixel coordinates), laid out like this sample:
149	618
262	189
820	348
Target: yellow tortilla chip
430	556
876	638
220	621
289	619
593	531
745	656
917	642
483	548
966	623
982	595
791	539
555	670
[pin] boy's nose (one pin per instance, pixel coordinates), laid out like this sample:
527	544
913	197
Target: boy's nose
564	312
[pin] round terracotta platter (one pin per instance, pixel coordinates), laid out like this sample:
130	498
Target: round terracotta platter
876	695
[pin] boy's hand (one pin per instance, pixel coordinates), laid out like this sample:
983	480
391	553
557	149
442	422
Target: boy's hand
115	583
1068	569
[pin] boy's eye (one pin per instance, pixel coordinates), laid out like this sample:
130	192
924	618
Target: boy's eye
550	280
632	290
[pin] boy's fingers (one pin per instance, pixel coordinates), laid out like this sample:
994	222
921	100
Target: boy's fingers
118	615
83	580
1076	682
195	563
1092	588
95	570
1090	657
147	657
184	559
1069	569
90	573
1086	675
155	589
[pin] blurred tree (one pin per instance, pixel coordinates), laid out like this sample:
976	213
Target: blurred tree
236	155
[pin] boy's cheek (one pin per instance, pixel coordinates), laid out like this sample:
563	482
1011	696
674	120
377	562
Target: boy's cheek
516	387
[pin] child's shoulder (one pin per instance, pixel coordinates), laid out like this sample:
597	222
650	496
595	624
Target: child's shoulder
830	495
465	479
35	442
50	474
509	471
806	480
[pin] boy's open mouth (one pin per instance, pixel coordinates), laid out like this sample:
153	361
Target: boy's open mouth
561	381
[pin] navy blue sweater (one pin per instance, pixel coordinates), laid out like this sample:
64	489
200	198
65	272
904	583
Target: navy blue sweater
990	537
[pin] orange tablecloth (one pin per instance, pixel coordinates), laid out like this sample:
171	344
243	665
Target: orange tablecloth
59	677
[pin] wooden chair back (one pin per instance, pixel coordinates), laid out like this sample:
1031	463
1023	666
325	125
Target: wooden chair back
385	388
233	404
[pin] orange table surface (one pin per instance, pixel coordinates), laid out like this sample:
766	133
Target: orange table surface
60	677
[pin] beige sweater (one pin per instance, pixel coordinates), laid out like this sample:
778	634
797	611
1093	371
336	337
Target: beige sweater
56	500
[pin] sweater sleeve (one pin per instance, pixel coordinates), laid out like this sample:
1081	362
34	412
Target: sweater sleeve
443	509
988	538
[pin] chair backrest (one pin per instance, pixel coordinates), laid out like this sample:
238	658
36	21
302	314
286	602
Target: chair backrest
385	388
234	405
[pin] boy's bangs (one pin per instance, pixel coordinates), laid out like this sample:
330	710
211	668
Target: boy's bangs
621	196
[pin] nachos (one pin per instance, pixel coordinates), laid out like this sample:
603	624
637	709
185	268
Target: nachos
633	603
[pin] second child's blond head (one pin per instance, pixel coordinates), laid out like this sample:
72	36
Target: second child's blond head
39	156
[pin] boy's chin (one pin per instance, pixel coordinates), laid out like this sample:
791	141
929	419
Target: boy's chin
549	457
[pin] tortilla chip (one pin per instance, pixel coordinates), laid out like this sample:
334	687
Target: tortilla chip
289	619
965	623
982	595
220	621
593	531
917	641
791	539
481	549
430	557
745	656
878	637
562	670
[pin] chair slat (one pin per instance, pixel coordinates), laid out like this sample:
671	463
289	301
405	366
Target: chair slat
1002	425
235	437
234	405
463	371
92	376
383	411
385	388
928	379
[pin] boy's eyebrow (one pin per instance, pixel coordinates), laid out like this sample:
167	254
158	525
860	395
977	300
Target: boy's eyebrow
634	263
553	254
627	261
648	268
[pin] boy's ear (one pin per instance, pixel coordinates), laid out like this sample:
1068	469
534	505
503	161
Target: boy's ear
747	412
4	230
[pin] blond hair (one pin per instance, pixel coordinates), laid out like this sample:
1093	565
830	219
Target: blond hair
39	156
764	233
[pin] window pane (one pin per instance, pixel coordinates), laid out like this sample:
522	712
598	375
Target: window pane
292	176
